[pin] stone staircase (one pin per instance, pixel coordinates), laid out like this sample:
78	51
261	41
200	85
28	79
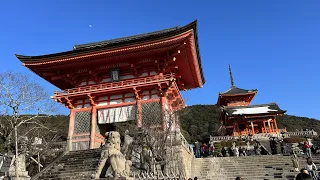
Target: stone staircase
78	165
249	168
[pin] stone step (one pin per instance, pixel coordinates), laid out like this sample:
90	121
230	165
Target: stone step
75	165
71	174
248	167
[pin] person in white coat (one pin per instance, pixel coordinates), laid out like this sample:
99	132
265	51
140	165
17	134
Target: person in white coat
311	167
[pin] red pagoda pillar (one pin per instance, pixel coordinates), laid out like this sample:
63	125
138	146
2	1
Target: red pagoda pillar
164	112
93	127
139	113
71	129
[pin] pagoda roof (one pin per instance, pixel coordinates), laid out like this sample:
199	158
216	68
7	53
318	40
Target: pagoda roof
260	109
238	91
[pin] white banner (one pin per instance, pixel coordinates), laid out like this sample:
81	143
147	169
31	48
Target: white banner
118	114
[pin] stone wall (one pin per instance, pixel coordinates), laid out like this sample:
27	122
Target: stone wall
183	155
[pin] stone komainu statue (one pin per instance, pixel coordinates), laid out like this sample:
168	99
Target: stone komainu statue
119	166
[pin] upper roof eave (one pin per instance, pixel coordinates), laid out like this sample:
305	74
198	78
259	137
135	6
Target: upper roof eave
227	109
120	42
252	91
89	47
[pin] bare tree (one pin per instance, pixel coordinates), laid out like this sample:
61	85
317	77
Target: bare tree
22	102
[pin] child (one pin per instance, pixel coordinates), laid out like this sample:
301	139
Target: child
311	167
295	162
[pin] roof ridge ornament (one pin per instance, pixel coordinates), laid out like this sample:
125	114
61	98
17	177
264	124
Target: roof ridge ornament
231	77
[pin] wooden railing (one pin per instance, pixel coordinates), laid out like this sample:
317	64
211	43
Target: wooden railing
116	85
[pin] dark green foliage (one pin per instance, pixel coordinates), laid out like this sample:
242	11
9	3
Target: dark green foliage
186	135
226	143
59	125
292	123
200	121
217	148
121	127
197	123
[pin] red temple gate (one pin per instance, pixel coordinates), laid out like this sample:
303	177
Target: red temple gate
118	80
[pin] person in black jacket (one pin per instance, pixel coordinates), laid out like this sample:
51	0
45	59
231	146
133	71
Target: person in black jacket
303	176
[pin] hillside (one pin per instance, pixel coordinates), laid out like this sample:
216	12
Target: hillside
197	122
200	121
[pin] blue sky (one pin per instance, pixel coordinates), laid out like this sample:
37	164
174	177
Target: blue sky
271	45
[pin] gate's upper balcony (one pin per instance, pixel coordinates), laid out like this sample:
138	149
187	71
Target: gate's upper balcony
158	80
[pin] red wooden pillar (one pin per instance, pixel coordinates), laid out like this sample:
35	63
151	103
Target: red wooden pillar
139	113
237	128
272	127
264	127
163	110
275	123
252	127
71	128
93	126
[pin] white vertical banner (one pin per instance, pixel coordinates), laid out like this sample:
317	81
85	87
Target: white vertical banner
117	114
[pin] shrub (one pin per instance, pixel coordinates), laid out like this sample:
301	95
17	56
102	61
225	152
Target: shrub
316	138
217	147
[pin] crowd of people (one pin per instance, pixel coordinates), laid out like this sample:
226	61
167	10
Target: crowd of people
309	171
203	150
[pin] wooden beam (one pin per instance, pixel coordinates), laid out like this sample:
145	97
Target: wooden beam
91	98
48	74
161	93
175	53
56	77
136	93
69	101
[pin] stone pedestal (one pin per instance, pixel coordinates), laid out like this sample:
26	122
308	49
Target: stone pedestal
121	178
20	178
23	174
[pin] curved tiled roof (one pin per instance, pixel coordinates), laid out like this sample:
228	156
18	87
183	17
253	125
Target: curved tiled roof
271	108
83	49
236	90
125	39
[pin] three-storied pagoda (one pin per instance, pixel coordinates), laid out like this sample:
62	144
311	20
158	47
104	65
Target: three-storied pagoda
116	80
238	117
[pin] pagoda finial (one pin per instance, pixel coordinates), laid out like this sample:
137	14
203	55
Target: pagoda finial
231	77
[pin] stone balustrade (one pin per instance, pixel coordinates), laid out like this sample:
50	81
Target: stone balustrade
264	136
301	133
222	138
